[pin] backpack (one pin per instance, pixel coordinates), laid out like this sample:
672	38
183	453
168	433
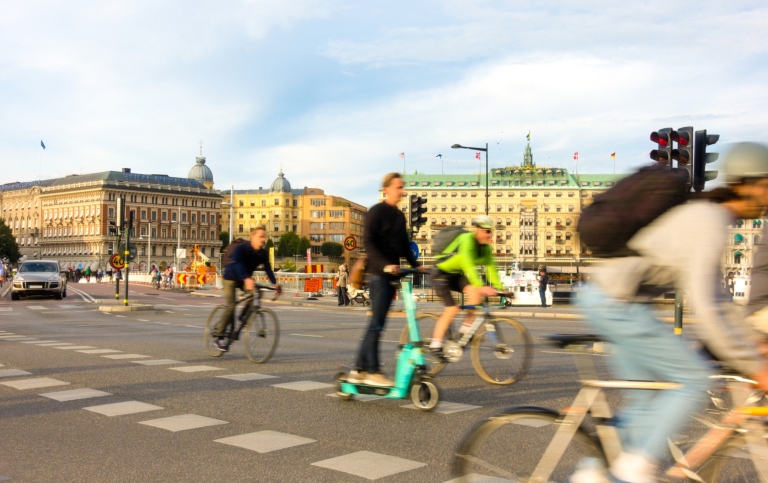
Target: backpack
357	273
618	214
443	240
231	251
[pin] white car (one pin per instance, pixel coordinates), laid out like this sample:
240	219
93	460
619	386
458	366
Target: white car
39	277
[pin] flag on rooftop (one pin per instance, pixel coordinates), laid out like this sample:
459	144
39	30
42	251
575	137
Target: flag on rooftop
402	155
439	156
528	136
613	155
576	155
477	155
42	144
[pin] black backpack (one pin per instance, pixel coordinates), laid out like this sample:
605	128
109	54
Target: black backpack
616	215
231	251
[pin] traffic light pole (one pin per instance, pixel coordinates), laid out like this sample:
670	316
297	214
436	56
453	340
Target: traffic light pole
117	280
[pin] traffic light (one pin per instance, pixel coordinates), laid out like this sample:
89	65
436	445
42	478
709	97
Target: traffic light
417	211
684	152
663	153
112	228
701	158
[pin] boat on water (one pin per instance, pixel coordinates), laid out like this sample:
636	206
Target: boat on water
525	286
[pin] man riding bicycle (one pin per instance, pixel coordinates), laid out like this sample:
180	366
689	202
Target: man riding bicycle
458	272
238	274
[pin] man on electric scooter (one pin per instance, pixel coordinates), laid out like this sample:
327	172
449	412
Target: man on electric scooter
239	275
458	272
386	241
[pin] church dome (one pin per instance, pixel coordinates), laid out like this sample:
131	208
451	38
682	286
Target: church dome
280	185
201	172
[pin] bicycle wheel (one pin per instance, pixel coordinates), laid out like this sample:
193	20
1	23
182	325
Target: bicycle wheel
426	323
731	462
502	356
508	447
210	340
261	335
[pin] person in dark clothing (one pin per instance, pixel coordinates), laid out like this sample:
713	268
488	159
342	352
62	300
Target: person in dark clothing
239	275
386	241
543	281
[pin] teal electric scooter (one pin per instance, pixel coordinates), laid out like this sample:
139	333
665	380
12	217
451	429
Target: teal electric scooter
411	371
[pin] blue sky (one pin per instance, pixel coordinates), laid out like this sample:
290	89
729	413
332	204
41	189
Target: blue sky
334	89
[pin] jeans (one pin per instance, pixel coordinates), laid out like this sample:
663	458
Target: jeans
382	293
648	350
543	295
228	317
343	296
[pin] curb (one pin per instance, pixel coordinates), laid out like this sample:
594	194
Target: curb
126	308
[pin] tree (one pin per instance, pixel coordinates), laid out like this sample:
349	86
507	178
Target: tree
270	244
332	249
304	245
288	244
9	249
288	266
224	237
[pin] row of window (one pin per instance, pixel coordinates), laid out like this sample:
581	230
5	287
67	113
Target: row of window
276	202
163	200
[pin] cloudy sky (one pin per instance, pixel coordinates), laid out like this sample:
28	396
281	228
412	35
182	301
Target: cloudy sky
334	89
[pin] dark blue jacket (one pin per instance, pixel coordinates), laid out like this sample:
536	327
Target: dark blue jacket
244	262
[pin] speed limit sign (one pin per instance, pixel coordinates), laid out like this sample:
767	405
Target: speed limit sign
350	243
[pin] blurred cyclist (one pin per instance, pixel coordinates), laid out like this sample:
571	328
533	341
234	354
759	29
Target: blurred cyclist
458	273
680	250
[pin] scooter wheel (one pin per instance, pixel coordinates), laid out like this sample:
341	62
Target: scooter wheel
424	395
367	303
337	380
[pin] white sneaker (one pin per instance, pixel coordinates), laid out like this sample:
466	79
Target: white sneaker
590	470
633	468
356	377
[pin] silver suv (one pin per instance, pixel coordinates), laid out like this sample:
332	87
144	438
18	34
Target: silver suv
39	277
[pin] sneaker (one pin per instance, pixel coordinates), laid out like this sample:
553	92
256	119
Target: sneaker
222	344
437	353
378	379
356	377
590	470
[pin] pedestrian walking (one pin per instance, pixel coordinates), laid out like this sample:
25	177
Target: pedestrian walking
342	279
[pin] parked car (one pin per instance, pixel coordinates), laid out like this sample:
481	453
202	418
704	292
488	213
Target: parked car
39	277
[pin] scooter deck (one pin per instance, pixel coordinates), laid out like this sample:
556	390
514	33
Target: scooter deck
364	389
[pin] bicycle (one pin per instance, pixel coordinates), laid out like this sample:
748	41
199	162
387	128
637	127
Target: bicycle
167	284
501	348
550	445
262	329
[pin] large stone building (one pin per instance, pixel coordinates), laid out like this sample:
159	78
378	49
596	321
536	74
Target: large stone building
67	219
308	212
536	210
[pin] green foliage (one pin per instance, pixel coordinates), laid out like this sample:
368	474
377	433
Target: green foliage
288	265
288	245
224	237
9	249
304	245
269	244
332	249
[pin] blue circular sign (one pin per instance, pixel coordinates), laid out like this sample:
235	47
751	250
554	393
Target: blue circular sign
414	250
80	265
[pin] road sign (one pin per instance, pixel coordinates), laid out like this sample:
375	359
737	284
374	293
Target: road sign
116	261
132	251
414	250
181	278
350	243
80	266
201	279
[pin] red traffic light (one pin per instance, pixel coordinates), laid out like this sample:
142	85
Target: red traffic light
661	137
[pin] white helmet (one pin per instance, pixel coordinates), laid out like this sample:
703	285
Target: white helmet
745	161
483	221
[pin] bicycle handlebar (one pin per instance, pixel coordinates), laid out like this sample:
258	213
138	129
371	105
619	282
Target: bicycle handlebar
403	271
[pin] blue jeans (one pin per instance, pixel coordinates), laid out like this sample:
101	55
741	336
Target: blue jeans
382	293
647	349
543	295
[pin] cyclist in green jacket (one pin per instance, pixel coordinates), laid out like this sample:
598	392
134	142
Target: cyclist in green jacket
458	273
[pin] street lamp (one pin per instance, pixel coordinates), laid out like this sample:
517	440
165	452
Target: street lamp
178	239
149	248
485	149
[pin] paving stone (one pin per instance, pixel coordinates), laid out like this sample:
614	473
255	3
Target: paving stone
125	356
303	385
36	383
445	407
158	362
196	368
36	341
13	372
75	347
265	441
477	478
75	394
369	465
183	422
252	376
123	408
55	344
99	351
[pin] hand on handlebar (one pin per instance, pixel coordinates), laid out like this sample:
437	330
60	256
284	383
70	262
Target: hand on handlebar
487	291
278	290
393	269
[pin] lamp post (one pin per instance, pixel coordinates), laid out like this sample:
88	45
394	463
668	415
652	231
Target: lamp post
231	205
485	149
149	248
178	239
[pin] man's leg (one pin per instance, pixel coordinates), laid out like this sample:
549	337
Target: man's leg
543	295
381	299
230	298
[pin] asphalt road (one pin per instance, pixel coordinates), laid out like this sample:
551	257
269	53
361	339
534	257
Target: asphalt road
285	412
